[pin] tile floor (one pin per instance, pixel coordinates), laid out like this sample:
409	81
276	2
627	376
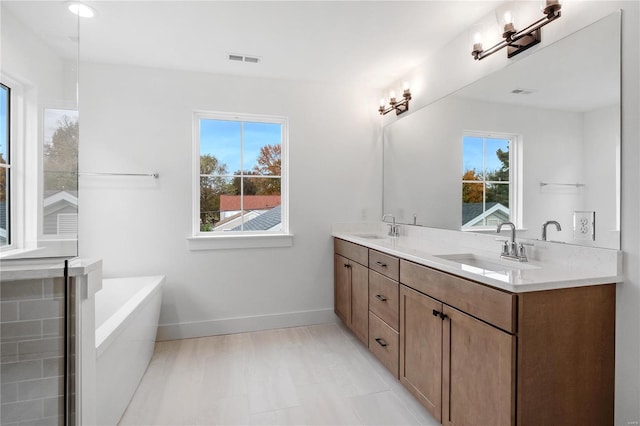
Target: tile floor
317	375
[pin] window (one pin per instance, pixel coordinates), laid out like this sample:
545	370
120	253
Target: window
487	180
5	166
59	173
240	175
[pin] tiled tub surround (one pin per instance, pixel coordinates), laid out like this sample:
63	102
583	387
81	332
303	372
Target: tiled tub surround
32	354
32	314
550	266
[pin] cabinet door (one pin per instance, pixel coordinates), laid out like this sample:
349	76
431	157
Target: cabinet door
342	288
359	301
421	348
478	372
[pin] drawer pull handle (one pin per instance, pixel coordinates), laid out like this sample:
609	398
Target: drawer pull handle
381	342
381	298
380	264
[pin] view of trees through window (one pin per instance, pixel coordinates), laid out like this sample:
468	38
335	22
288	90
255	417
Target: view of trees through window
240	175
60	172
485	181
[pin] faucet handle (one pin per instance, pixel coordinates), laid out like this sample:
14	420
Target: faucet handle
522	252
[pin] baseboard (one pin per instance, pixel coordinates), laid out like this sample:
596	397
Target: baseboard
187	330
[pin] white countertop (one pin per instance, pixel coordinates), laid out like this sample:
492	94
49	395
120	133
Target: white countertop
550	266
26	269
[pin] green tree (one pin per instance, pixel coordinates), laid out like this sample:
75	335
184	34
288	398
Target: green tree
269	163
212	185
499	192
61	157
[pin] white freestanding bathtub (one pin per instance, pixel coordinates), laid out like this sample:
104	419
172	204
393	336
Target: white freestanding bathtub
127	311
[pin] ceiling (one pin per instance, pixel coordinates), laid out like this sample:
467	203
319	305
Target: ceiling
370	42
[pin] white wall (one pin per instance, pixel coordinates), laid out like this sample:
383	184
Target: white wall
452	68
140	120
602	165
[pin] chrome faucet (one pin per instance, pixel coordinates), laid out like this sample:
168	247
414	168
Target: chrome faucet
394	230
510	249
544	228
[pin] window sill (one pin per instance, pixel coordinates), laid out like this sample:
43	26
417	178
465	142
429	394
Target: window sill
225	242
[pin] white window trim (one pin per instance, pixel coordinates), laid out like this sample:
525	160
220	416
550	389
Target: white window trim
239	239
515	176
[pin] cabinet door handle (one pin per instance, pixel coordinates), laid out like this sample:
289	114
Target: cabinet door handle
381	298
381	342
346	265
442	315
380	264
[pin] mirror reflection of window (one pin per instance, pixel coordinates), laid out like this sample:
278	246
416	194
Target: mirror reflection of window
60	165
486	180
5	168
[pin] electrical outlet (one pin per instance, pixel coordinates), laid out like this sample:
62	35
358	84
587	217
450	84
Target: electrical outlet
584	225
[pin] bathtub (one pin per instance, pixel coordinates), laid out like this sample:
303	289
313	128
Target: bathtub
127	311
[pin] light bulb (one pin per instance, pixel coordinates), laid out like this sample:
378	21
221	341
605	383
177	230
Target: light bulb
392	94
405	86
80	9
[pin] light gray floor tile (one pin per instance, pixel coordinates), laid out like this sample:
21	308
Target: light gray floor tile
317	375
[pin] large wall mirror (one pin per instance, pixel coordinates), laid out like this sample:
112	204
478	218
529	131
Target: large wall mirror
536	141
38	130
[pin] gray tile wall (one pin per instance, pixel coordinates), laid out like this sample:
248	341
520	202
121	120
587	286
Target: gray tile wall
32	352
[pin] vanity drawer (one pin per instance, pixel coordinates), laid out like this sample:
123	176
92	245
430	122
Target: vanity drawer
494	306
384	298
351	251
384	342
384	264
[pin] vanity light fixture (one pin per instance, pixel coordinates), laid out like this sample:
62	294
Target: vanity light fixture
517	41
394	105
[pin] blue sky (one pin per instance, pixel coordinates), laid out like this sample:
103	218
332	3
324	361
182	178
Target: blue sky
222	139
4	98
472	152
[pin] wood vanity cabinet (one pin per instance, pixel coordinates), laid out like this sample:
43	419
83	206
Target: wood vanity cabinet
351	287
458	367
473	354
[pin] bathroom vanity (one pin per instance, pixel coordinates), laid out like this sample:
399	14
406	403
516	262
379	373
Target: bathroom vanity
481	340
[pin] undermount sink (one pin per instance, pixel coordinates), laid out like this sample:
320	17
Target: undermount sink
488	264
371	236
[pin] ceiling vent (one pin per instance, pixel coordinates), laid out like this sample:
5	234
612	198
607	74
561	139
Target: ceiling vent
243	58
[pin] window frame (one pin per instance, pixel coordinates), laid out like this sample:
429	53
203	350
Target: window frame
206	240
515	175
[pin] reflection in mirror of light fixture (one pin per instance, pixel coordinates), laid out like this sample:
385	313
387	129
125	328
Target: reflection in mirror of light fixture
518	41
398	106
81	9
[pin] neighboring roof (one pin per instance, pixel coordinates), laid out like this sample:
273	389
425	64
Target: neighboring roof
233	221
264	222
251	202
60	196
472	212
